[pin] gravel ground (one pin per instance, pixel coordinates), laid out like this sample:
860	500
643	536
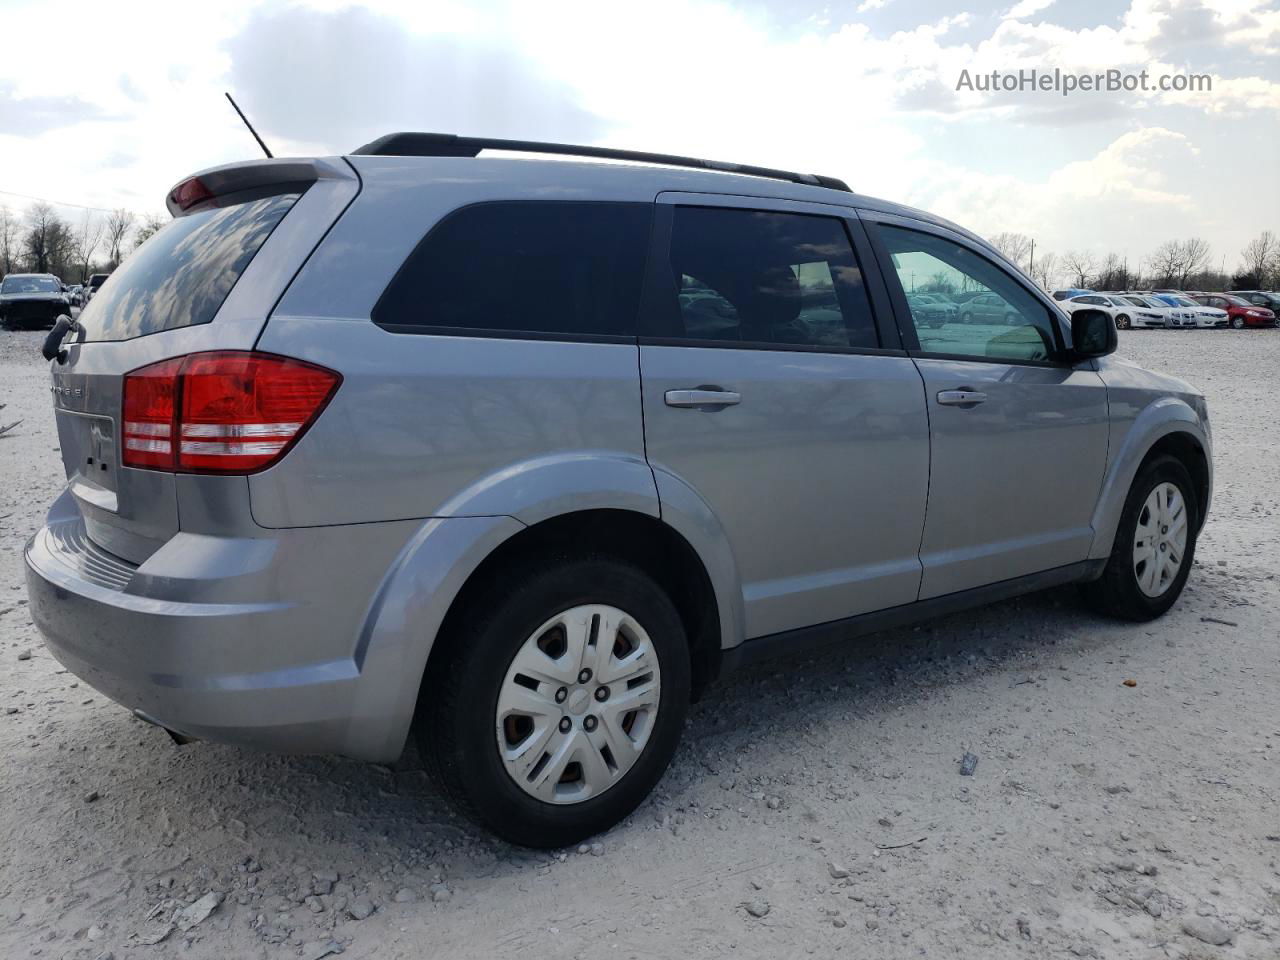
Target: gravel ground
816	806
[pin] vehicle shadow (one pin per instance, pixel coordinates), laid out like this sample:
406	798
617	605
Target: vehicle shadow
198	813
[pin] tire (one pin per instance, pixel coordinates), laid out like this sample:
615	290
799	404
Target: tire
1122	322
966	317
1237	323
461	727
1118	592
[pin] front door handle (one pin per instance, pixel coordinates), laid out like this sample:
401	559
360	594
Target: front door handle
963	397
701	398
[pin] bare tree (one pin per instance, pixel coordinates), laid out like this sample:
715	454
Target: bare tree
1081	265
1166	263
119	223
1113	274
151	222
85	240
42	226
1259	257
1045	269
1016	247
1195	255
9	241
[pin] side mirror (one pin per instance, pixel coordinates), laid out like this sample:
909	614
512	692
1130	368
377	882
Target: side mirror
1093	334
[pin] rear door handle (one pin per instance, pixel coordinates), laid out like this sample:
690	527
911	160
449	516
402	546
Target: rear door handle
701	398
961	398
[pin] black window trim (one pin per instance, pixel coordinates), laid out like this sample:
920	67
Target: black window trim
873	220
492	333
658	287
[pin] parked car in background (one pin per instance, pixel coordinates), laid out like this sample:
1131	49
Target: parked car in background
933	310
76	294
393	444
1240	311
32	300
988	308
91	287
1180	315
1146	313
1120	314
1206	317
1260	298
1069	293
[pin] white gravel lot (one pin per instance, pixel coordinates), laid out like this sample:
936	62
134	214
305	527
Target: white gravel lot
1102	821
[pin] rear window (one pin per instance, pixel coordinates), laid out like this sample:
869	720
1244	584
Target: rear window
524	268
180	276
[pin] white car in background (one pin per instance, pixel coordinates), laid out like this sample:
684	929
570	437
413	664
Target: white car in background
1145	314
1179	316
1119	311
1206	317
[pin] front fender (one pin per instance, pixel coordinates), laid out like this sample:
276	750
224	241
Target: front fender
1156	420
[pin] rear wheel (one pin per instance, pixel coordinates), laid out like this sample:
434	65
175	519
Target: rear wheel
558	703
1154	547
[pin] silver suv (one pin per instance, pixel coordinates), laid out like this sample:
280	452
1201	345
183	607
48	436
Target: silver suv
521	454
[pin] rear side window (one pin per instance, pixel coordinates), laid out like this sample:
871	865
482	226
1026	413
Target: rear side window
524	268
180	276
761	278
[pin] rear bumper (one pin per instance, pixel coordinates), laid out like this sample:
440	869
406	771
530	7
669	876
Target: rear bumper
249	641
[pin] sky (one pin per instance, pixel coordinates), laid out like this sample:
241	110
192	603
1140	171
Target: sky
109	106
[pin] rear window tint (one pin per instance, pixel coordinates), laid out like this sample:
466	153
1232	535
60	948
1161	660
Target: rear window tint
180	276
524	269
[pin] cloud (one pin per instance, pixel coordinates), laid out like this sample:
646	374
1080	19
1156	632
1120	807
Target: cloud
1140	182
29	116
866	6
339	79
1027	8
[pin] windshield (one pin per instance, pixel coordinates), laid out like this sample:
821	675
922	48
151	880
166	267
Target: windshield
1237	301
30	285
1185	302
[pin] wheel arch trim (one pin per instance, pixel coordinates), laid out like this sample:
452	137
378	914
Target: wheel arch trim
1165	417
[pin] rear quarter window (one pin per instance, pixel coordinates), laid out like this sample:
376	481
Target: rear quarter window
180	276
524	269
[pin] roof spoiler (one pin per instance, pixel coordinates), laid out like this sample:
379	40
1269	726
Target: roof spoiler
250	175
451	145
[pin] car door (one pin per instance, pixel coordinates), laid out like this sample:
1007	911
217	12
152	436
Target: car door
770	392
1019	437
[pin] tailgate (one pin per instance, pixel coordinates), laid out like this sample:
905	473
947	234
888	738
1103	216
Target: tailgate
206	281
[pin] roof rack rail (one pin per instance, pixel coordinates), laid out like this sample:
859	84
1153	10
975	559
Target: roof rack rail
451	145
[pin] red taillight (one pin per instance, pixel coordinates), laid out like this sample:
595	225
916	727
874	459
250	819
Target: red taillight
190	192
225	412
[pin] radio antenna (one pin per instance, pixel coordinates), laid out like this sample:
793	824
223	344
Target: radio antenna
248	124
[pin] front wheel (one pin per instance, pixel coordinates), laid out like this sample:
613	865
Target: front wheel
1154	547
1237	323
1122	322
557	704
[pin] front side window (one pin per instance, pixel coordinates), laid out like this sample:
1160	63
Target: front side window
524	268
1004	321
762	278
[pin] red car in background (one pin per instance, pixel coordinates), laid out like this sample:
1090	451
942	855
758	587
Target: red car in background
1240	312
